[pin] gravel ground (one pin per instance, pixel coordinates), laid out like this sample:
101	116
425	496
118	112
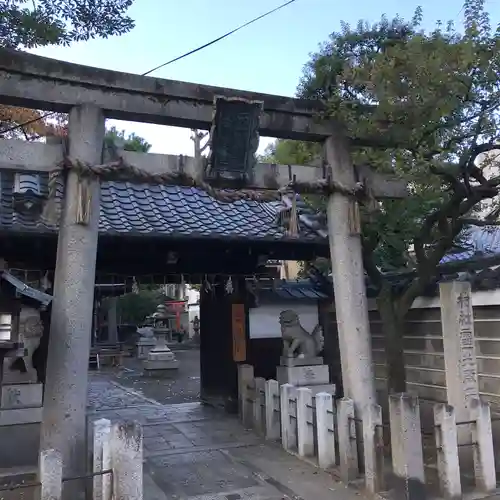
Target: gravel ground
183	386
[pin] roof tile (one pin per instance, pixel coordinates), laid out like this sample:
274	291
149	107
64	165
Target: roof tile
162	210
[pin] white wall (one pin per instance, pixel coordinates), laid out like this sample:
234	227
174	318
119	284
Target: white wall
192	295
264	320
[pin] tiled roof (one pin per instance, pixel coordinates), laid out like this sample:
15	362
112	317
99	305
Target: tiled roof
128	208
303	289
477	242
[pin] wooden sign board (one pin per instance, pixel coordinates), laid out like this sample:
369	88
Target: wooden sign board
239	333
234	138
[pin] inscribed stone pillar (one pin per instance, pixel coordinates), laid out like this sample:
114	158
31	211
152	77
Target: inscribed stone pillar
348	280
457	322
63	425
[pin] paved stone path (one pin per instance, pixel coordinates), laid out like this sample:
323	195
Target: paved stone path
194	452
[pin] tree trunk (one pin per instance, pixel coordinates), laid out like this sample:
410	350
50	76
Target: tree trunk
393	329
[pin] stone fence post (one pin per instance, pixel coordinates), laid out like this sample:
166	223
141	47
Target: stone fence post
245	384
50	475
126	460
373	446
288	408
305	423
325	424
102	485
259	405
445	428
273	422
348	452
406	444
484	454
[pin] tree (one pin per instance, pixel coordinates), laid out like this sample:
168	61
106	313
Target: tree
133	308
40	23
26	24
130	143
424	106
12	117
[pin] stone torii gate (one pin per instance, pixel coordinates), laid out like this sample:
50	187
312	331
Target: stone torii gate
90	95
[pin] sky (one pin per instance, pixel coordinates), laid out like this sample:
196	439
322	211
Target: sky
267	56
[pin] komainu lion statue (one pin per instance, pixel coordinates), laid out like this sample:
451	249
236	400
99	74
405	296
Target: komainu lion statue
297	342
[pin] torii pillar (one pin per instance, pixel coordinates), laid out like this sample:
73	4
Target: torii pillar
351	306
64	412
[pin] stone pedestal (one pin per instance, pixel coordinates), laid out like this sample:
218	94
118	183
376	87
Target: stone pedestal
306	372
20	418
144	346
160	360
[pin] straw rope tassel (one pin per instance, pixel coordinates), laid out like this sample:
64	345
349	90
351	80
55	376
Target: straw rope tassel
84	201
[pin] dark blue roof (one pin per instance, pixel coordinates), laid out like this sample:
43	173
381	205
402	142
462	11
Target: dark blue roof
302	289
476	242
128	208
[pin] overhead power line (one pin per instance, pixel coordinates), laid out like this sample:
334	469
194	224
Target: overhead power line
229	33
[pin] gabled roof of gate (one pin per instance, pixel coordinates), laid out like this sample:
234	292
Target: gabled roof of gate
167	211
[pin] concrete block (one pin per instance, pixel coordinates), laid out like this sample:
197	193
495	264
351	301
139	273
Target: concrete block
25	440
161	355
19	416
447	451
158	365
348	451
406	443
50	475
259	406
325	425
272	399
373	446
305	423
126	450
288	401
303	375
21	396
484	455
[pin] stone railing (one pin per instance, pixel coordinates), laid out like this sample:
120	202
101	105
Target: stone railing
117	458
330	434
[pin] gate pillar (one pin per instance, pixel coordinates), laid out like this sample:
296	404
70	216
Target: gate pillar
64	412
351	307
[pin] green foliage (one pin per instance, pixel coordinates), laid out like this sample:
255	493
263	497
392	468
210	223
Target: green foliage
423	106
133	308
29	24
130	143
420	105
288	152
